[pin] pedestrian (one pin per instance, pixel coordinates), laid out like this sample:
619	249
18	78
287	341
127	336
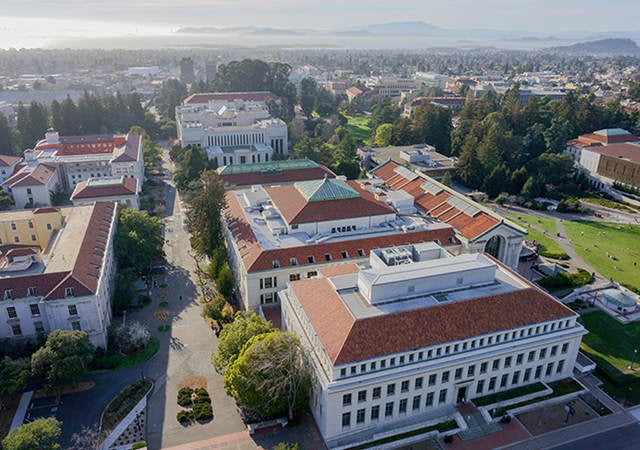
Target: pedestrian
181	298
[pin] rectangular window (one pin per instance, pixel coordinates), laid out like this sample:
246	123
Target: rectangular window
362	396
268	282
275	263
353	370
16	239
442	397
39	327
35	309
432	379
401	361
383	363
13	226
532	356
388	409
312	274
363	368
391	389
549	369
69	292
376	392
346	399
361	252
527	375
372	366
542	354
75	325
34	238
49	227
403	406
419	383
73	311
311	259
346	420
457	374
538	372
504	380
445	376
480	387
8	294
429	399
16	330
507	362
375	412
11	312
516	377
519	358
483	367
415	405
471	370
360	416
343	372
392	362
31	291
554	351
560	366
492	383
294	261
565	348
294	277
496	364
404	386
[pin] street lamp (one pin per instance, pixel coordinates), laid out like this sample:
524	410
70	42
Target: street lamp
633	359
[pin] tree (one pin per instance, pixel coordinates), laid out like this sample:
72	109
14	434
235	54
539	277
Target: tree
138	240
307	97
5	201
39	434
6	136
271	375
205	214
233	337
88	438
383	135
447	179
534	187
14	376
64	358
496	182
224	281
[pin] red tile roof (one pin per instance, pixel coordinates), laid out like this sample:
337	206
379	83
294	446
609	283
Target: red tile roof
622	151
132	147
84	189
8	161
296	209
285	176
48	209
257	96
255	258
339	269
24	176
22	251
346	339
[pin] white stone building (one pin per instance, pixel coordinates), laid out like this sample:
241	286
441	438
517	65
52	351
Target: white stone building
233	127
8	166
478	229
67	285
403	339
280	233
32	184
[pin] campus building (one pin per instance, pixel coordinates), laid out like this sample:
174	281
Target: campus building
276	234
61	277
607	157
273	172
232	127
32	184
121	190
477	228
402	339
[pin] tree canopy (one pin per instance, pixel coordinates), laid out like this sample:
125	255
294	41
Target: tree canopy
138	240
205	214
40	434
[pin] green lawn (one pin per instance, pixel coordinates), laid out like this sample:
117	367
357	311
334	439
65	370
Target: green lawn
361	133
592	241
546	223
611	344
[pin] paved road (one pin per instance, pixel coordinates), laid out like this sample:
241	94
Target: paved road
622	438
185	351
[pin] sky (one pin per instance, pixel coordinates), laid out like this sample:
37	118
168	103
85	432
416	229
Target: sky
36	20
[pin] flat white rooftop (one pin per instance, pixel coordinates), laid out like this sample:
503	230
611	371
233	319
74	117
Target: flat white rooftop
64	251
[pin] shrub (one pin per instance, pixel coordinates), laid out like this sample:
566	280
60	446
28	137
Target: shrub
203	411
184	417
184	396
562	279
138	445
132	337
214	309
287	446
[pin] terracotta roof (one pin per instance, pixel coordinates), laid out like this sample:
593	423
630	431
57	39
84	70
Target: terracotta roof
346	339
130	150
39	176
257	96
285	176
469	226
339	269
622	151
22	251
8	161
296	209
48	209
85	189
595	139
89	138
83	277
255	258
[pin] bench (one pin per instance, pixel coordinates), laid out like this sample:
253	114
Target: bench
253	427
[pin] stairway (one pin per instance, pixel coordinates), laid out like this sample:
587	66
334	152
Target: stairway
477	426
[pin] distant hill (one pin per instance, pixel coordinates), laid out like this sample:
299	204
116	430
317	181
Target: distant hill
602	46
235	30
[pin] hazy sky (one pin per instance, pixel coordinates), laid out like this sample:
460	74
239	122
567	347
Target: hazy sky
533	15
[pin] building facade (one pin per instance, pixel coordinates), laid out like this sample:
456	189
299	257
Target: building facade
66	285
415	331
32	184
122	190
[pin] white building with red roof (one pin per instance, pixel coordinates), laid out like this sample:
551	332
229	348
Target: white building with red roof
280	233
477	228
233	127
79	158
32	184
121	190
8	166
397	342
69	286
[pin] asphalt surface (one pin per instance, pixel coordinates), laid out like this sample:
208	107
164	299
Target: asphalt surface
622	438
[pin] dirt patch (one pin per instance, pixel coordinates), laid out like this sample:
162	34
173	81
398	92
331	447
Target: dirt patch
552	417
162	315
194	382
67	389
10	404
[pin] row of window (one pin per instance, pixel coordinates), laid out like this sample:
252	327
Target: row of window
450	349
429	397
35	308
14	226
458	374
311	259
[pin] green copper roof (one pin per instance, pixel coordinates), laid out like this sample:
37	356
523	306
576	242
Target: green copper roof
325	189
270	166
612	132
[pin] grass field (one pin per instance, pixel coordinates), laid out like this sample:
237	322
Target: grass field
546	223
593	240
548	247
359	126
